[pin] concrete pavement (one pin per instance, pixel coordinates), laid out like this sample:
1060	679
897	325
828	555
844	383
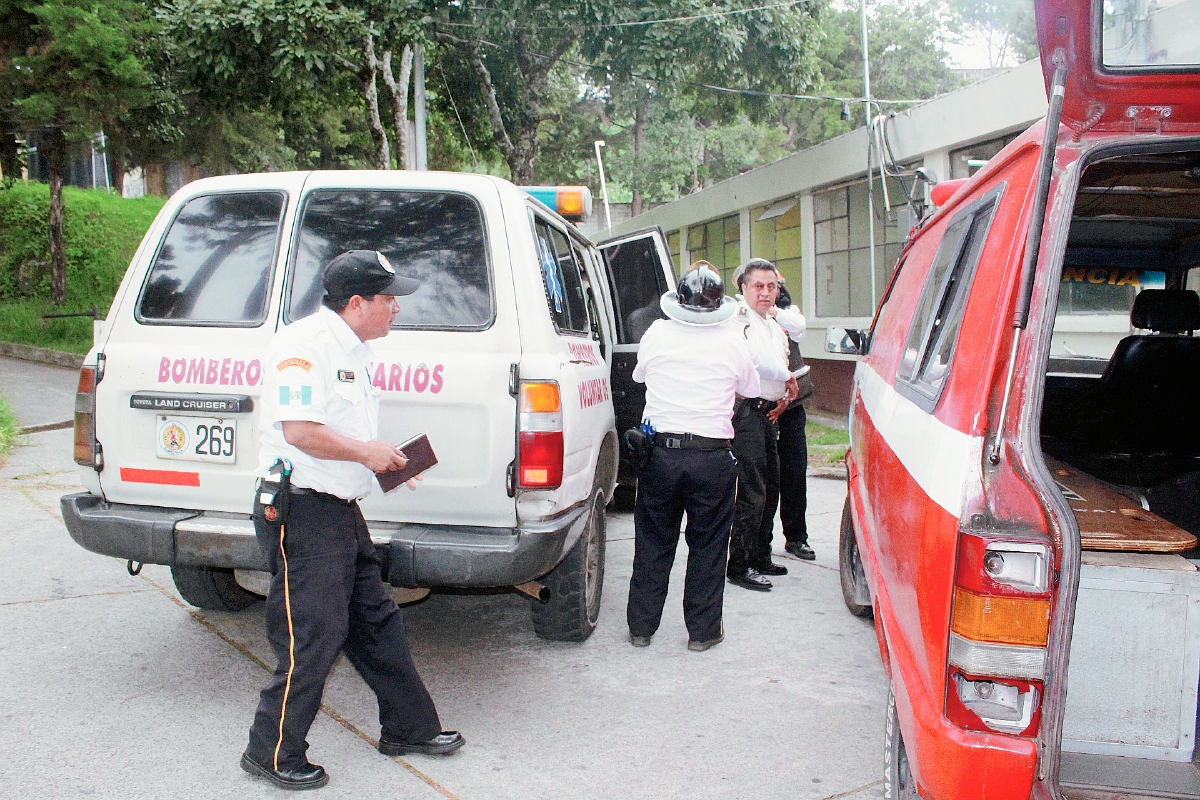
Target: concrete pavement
111	687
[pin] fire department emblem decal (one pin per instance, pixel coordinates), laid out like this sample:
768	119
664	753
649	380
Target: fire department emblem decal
173	437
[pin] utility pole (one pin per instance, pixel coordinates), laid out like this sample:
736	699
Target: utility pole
870	177
421	160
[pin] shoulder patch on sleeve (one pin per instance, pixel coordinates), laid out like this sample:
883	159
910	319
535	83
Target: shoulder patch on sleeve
288	363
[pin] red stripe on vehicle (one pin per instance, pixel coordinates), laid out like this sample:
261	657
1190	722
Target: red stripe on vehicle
168	477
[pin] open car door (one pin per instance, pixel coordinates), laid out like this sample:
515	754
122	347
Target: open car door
1132	65
640	271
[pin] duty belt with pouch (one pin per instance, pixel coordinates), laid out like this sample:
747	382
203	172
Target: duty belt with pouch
273	492
757	403
690	441
638	445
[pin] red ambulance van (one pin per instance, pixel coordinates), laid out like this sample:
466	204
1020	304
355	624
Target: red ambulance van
1024	474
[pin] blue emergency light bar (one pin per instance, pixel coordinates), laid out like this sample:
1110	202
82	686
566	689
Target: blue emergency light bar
571	202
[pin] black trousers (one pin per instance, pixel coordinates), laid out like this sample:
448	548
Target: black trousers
700	482
326	570
793	473
755	443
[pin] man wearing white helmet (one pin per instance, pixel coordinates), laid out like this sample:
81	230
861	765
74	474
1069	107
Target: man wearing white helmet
693	367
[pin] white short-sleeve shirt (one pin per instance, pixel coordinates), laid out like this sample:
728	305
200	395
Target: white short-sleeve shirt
692	374
316	371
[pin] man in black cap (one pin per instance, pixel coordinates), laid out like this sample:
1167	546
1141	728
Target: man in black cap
693	367
319	423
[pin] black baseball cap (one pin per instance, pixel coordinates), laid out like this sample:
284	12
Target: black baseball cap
365	273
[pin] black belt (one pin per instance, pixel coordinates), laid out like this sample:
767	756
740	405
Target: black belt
690	441
325	496
757	403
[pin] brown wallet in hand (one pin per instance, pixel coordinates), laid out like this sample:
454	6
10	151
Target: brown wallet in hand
420	458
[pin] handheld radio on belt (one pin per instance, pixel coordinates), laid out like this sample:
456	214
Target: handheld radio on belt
274	491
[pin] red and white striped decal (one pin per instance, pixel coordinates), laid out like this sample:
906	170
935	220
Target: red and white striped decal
938	457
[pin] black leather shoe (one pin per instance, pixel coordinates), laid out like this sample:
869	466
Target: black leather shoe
309	776
750	578
771	568
700	647
639	641
444	743
801	550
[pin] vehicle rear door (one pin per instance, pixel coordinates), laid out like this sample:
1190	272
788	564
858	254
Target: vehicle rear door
1132	66
582	339
176	410
640	270
444	368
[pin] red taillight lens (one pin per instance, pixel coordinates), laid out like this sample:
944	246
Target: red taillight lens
540	436
85	418
999	629
541	459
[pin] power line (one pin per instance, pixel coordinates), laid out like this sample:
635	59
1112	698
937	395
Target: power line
729	90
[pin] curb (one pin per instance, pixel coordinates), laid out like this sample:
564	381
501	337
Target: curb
42	355
835	473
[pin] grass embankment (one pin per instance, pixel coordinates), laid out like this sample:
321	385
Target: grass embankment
8	429
101	232
826	445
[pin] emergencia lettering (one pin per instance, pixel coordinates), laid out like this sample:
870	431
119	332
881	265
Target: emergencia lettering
393	377
210	371
1115	276
593	391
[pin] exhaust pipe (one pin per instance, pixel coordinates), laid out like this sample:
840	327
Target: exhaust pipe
534	590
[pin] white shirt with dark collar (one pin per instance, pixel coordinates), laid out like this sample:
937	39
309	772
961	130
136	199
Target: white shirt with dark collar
769	347
316	371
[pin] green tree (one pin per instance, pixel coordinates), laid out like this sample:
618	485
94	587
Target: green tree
82	72
1006	28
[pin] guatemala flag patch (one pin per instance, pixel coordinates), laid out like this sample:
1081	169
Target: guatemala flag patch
295	395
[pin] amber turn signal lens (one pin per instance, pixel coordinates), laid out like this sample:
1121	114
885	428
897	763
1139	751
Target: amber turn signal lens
1003	620
540	397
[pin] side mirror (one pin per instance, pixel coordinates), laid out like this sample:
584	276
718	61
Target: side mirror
847	341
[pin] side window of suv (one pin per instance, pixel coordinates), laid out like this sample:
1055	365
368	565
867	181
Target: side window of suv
564	286
214	266
934	332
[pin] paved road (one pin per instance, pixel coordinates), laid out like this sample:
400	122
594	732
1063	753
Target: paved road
111	687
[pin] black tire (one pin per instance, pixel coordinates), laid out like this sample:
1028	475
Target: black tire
575	585
898	781
211	589
850	569
624	497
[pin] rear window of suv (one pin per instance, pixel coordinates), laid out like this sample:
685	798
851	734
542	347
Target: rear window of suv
214	266
436	237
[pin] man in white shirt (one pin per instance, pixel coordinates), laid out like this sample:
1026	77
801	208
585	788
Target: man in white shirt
756	433
693	367
320	415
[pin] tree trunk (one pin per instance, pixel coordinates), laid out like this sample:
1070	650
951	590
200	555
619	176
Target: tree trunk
10	166
399	90
117	163
383	157
639	138
55	152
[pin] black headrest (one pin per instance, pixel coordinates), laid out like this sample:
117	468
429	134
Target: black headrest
1166	310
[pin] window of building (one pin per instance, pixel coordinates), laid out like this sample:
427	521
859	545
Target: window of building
215	264
436	237
841	234
966	161
775	236
719	243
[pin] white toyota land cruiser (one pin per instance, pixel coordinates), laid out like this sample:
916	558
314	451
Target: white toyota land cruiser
509	357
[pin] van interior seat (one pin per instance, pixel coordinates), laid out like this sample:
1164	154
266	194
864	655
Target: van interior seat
1154	380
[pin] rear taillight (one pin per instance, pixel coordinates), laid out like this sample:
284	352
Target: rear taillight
540	436
87	452
999	628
